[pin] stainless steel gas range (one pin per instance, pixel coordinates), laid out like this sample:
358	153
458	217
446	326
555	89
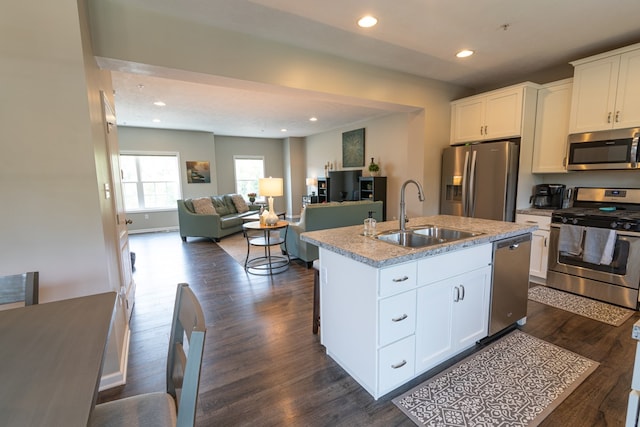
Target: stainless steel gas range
594	247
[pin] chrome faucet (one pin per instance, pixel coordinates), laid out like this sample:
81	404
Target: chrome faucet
403	214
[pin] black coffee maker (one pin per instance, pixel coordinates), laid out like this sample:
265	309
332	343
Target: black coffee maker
548	196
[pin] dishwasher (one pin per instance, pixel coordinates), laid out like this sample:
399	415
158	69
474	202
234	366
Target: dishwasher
510	282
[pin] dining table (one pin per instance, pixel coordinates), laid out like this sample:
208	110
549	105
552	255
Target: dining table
51	359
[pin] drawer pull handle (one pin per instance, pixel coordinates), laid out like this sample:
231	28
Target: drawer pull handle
399	319
531	222
399	365
402	279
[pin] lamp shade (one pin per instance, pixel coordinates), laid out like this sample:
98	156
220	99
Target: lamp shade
270	187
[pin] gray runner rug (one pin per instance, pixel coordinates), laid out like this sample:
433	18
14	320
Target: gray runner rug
516	381
587	307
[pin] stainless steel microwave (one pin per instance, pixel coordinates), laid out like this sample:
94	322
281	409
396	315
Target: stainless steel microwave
612	149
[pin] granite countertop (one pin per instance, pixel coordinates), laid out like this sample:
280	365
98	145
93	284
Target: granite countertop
350	242
534	211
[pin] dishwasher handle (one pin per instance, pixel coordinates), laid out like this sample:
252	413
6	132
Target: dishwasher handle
512	243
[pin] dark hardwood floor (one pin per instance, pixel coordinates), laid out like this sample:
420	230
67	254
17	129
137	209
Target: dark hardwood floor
263	366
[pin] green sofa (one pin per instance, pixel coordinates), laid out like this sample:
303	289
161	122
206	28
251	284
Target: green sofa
223	221
320	216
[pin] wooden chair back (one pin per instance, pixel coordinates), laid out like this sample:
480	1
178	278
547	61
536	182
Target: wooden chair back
186	346
19	290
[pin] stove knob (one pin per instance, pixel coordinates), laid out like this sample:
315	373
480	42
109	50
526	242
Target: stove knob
627	226
564	220
574	221
614	224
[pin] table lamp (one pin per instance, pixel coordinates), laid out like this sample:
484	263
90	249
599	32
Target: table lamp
312	182
271	187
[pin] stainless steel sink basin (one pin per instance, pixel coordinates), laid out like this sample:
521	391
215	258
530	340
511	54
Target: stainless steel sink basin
408	239
447	234
423	236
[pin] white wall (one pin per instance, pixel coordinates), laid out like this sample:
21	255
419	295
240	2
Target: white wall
53	165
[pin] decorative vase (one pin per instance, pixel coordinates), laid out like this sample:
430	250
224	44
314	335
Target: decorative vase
252	199
374	169
272	218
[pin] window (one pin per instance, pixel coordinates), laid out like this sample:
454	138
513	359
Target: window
248	171
150	181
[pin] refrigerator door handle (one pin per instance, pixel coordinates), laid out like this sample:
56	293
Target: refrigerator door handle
465	177
472	185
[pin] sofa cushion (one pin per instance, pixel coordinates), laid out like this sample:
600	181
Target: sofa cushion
228	202
241	205
230	221
203	205
219	205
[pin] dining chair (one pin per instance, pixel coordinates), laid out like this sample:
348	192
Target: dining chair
176	406
19	290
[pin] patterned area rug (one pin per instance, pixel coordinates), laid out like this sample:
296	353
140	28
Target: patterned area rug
516	381
597	310
236	246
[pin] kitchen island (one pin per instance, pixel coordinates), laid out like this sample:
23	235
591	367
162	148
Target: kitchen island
390	313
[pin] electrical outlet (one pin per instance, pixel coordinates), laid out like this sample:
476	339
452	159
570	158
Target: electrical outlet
146	216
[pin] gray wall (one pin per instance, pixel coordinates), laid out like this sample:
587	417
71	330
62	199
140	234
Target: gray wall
200	146
190	146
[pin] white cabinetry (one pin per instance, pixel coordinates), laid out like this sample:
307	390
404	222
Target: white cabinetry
381	325
491	115
459	306
606	91
539	245
552	127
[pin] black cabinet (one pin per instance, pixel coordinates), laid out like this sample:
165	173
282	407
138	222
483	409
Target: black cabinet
323	190
374	188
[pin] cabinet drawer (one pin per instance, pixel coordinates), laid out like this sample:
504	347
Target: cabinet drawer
436	268
396	364
397	317
543	222
396	279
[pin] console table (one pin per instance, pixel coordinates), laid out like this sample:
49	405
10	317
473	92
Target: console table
51	358
260	236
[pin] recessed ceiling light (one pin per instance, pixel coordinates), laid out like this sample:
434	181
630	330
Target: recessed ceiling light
313	119
159	103
156	120
464	53
367	21
283	130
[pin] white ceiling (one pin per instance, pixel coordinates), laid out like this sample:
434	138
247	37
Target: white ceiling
415	36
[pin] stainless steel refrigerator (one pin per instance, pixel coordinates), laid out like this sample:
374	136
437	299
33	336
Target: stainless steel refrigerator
480	180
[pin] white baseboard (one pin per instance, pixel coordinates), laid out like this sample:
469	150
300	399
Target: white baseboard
118	378
153	230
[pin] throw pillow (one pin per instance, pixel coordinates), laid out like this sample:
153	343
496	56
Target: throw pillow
241	205
203	205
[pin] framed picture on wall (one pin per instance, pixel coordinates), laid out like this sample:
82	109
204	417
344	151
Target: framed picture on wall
198	172
353	148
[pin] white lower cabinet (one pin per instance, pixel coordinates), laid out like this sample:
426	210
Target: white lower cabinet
539	245
386	326
452	315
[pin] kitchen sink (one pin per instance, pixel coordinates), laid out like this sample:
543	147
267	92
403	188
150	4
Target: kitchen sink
447	234
408	239
423	236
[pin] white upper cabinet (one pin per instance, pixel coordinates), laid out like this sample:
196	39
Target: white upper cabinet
491	115
552	127
606	91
